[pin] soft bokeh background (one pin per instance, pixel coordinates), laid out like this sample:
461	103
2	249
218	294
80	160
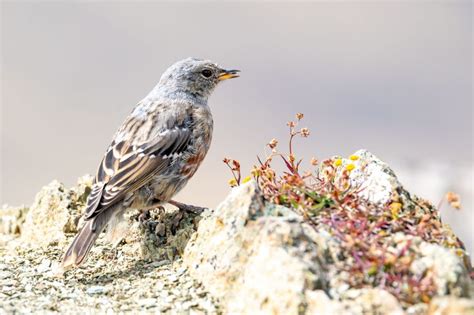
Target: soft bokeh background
392	77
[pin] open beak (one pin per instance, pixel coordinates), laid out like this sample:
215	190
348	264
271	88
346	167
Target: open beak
228	74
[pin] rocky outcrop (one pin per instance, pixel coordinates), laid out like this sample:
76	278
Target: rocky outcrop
248	256
261	258
251	258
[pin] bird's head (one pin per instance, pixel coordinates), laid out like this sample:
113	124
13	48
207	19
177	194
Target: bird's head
194	76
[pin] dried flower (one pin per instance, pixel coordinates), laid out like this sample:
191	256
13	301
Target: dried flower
454	200
255	172
304	132
236	164
273	143
314	161
299	116
291	124
456	205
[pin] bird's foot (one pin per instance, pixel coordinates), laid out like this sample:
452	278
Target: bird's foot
144	216
187	208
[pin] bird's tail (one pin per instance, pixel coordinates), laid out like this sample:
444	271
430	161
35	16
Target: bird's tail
80	247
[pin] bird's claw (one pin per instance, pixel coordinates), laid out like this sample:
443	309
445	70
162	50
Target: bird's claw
187	208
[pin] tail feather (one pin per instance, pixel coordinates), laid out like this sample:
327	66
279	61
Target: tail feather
82	244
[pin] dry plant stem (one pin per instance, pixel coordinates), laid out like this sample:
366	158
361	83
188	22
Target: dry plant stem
233	174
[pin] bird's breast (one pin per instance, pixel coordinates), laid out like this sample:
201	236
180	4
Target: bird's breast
201	141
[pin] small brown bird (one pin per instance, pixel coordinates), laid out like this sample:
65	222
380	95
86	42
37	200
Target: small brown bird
154	153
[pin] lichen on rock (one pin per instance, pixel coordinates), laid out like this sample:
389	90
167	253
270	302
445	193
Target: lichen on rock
160	233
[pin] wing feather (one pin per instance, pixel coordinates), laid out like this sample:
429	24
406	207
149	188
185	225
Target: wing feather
127	167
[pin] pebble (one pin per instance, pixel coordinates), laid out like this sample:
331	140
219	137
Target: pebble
96	290
5	274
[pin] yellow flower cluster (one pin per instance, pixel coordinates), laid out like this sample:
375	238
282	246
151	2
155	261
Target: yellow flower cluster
349	167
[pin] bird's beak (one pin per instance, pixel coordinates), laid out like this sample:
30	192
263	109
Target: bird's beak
228	74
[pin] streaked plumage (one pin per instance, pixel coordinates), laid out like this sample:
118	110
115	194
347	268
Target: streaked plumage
155	152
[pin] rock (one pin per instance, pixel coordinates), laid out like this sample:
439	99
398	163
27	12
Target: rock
55	211
449	273
11	219
160	234
254	261
371	301
254	255
318	302
375	178
451	305
96	290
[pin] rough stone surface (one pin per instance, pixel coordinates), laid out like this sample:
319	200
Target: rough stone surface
269	261
109	283
374	177
447	305
56	210
11	219
161	233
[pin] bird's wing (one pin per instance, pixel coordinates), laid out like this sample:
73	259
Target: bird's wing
127	166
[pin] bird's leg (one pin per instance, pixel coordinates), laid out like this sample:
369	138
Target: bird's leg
145	212
187	208
144	215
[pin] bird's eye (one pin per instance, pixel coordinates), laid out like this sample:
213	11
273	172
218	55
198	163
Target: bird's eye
206	73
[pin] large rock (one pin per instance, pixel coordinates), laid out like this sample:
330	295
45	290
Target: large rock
253	259
260	258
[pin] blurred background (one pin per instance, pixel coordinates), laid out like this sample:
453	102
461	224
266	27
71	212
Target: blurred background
392	77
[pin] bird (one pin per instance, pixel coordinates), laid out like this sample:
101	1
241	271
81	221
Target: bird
154	153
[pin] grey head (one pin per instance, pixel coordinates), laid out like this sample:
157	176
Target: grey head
192	77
